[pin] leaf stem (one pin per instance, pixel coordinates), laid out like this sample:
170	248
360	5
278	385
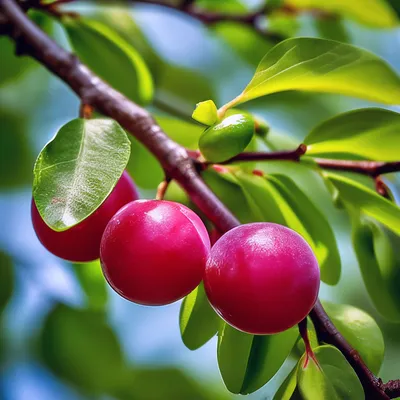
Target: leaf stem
309	351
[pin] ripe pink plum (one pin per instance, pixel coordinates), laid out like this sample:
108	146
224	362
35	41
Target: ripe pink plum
154	252
262	278
81	243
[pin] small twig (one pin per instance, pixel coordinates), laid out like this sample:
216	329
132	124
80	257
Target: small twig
370	168
162	188
85	111
290	155
381	187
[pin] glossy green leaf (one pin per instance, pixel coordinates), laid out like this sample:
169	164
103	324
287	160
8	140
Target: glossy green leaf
122	21
367	201
205	112
320	65
317	226
77	170
112	58
380	268
227	138
287	391
198	321
229	191
361	331
92	282
80	348
332	379
248	362
369	133
6	280
16	157
225	6
283	24
271	204
374	13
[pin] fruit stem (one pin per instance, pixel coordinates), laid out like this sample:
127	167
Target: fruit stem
162	188
309	351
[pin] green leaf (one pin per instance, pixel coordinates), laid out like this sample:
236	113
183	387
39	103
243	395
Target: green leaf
374	13
367	201
6	280
248	362
122	21
316	224
271	204
93	284
369	133
205	112
228	190
380	269
198	321
332	379
320	65
80	348
112	58
78	169
288	388
361	331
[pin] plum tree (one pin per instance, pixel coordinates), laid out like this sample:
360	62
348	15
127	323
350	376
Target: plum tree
81	243
262	278
154	252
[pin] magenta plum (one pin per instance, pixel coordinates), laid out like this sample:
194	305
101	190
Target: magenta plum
154	252
81	243
262	278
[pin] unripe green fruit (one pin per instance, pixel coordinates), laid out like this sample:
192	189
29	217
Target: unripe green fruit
227	138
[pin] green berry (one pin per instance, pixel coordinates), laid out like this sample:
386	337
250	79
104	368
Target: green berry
227	138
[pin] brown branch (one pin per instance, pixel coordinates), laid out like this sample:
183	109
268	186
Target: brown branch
370	168
174	159
289	155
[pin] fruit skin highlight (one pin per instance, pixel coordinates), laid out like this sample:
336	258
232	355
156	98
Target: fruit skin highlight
81	243
262	278
154	252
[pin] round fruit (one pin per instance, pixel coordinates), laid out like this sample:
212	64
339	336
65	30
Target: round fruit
81	243
154	252
262	278
227	138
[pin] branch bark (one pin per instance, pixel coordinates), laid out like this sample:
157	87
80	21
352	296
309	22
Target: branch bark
370	168
30	40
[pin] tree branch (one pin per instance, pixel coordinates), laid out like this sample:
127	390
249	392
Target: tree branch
327	332
174	159
370	168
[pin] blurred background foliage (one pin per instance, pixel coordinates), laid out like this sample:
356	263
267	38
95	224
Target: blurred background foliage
64	333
